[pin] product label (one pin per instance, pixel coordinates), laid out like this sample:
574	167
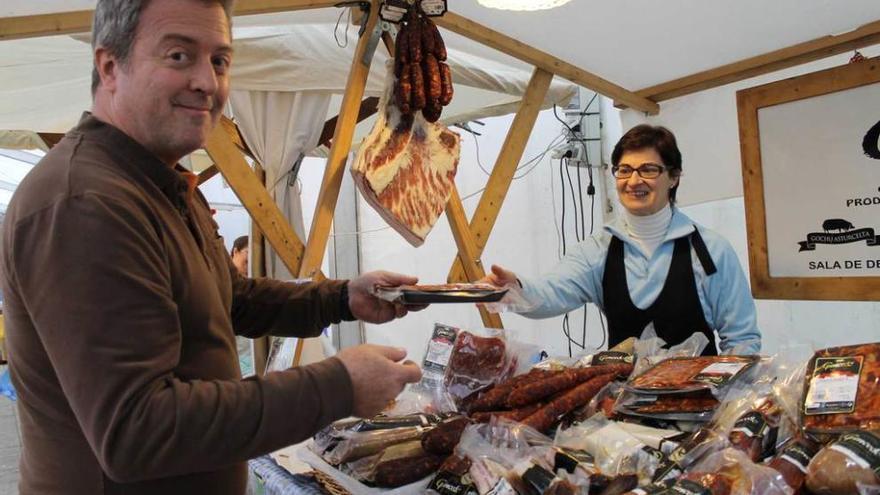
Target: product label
446	483
752	424
719	373
800	455
393	10
569	460
862	448
612	357
665	466
687	487
434	8
833	385
439	348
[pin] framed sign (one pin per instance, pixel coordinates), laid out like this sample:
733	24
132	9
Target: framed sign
811	183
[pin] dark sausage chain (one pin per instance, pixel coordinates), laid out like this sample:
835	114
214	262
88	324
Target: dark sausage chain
424	81
496	397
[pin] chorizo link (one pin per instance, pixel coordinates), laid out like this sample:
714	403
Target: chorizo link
439	47
432	111
443	438
533	392
418	100
496	398
401	49
514	415
446	89
406	470
433	87
413	29
428	39
545	417
404	92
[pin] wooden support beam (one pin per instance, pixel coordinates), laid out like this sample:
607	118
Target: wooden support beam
369	107
255	198
80	21
505	167
208	174
342	137
802	53
543	60
468	253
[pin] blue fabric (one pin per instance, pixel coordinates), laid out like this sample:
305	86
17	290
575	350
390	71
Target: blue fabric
725	296
276	480
6	387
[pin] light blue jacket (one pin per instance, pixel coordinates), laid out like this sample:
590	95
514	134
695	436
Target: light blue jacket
725	296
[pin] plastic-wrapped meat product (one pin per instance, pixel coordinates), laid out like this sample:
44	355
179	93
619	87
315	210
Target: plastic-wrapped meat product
496	397
533	392
362	444
547	416
452	478
443	438
730	472
406	470
839	468
476	362
792	462
842	390
691	374
755	431
513	415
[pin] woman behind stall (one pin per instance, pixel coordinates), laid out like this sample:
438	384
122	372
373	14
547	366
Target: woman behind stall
653	264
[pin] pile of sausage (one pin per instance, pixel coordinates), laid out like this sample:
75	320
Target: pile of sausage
424	81
541	398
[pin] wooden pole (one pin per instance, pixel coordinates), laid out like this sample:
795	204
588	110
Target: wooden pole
342	138
505	167
255	198
467	251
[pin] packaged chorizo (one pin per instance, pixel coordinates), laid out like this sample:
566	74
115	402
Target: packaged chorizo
848	464
480	361
842	390
729	471
692	374
792	461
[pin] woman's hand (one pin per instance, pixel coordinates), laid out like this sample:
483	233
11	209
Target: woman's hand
500	277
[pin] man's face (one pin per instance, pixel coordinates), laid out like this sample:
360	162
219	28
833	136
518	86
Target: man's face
172	90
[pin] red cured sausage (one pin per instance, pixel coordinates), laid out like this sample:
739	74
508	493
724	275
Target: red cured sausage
533	392
515	415
406	470
496	398
443	438
548	415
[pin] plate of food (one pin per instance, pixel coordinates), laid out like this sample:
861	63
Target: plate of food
442	293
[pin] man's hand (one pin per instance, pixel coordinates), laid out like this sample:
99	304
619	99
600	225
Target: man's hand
499	277
376	376
367	307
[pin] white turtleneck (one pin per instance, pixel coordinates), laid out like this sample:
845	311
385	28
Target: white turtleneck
649	230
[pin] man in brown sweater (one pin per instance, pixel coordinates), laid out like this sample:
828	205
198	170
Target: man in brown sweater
121	301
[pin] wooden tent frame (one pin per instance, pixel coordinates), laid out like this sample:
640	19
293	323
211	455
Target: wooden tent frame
226	150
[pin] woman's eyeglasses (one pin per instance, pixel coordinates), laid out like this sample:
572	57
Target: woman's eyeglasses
646	171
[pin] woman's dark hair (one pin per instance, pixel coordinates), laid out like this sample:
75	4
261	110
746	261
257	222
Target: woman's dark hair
239	244
660	139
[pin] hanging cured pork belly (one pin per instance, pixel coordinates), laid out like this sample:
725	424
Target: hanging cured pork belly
405	168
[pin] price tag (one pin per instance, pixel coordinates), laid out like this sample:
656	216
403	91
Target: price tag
434	8
393	10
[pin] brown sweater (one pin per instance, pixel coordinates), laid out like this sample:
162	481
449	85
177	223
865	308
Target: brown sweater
121	306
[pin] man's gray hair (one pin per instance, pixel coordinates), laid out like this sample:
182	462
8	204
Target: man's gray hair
116	22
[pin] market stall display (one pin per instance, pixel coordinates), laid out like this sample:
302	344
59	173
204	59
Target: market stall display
545	429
